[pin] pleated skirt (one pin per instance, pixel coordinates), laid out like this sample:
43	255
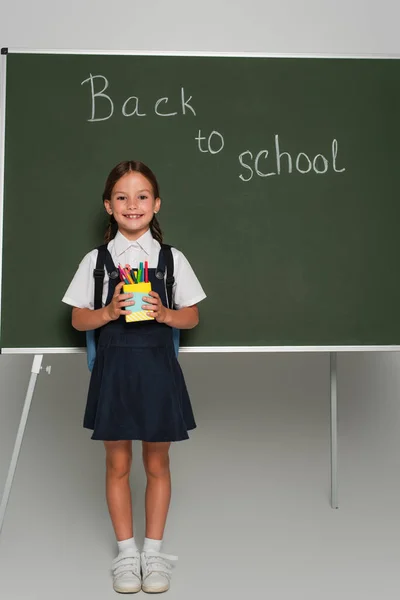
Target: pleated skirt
137	390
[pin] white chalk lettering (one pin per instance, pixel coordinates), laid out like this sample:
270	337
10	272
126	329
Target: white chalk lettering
279	155
334	155
210	137
260	173
211	151
303	163
135	111
199	138
185	103
99	95
130	106
163	114
246	166
324	161
269	161
298	163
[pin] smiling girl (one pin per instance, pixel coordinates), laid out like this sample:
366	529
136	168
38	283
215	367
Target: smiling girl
137	390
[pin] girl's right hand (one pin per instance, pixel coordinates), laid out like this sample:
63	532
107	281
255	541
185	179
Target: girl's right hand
119	300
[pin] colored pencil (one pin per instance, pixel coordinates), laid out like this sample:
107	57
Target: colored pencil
127	276
127	273
122	275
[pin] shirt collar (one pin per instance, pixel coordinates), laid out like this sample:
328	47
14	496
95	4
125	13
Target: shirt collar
121	243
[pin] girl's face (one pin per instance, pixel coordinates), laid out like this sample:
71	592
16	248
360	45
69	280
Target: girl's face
132	204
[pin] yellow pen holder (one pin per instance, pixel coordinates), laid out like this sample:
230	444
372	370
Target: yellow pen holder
139	290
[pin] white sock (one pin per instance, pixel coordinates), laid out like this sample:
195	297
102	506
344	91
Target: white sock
125	544
150	544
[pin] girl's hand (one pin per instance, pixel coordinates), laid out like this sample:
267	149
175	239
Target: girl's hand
119	300
155	306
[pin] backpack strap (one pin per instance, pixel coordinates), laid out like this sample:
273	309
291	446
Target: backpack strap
170	280
104	259
169	263
98	275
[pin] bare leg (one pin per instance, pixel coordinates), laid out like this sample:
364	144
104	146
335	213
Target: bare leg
118	491
158	489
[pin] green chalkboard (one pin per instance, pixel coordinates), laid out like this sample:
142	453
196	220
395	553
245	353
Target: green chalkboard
279	177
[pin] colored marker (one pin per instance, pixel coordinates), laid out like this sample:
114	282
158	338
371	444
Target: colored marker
146	270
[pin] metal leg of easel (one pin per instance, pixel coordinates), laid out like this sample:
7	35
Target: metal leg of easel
36	366
334	444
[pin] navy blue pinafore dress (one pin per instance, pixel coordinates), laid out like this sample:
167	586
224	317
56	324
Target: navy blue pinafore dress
137	390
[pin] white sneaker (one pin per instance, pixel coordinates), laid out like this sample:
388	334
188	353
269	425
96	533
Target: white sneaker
156	571
126	572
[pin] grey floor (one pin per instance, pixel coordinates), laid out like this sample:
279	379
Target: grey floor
250	514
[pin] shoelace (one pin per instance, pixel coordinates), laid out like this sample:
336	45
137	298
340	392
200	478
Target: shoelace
157	562
126	564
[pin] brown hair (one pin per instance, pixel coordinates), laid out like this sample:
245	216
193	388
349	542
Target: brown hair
119	171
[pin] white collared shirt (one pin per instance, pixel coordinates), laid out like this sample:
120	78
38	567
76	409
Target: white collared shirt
187	290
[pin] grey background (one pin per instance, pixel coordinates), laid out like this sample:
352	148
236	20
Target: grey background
250	510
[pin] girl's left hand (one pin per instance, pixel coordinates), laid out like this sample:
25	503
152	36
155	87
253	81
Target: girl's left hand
155	306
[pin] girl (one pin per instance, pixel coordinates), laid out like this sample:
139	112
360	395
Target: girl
137	390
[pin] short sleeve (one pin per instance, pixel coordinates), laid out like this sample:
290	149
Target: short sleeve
187	288
80	292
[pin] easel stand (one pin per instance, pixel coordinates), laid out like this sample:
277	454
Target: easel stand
334	442
36	368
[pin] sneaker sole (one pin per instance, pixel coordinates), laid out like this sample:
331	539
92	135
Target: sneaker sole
149	590
121	591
